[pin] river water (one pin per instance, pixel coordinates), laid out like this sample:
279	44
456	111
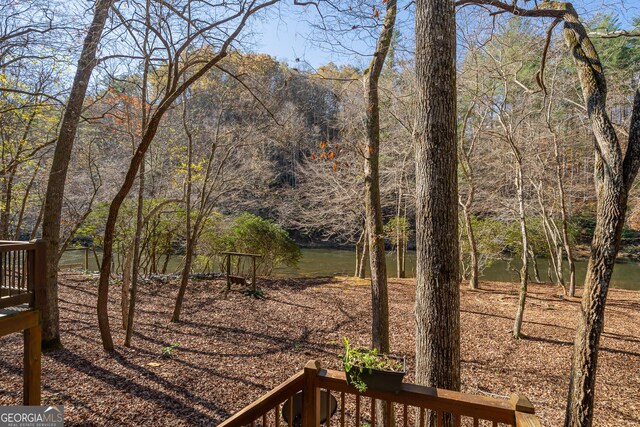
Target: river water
337	262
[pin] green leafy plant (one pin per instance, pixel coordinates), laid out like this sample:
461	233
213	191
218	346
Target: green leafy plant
356	360
252	234
167	351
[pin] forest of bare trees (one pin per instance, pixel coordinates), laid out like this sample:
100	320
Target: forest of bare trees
144	129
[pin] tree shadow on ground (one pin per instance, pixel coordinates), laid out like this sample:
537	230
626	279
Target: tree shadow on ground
183	409
570	344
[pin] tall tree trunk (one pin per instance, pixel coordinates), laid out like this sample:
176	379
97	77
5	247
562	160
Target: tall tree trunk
373	209
524	270
403	261
184	279
126	286
565	220
534	265
36	226
165	264
58	174
135	271
362	273
437	255
140	221
359	249
464	155
190	241
553	238
400	231
559	172
473	249
400	254
614	176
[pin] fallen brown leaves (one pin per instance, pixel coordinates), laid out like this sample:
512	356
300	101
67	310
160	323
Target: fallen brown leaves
231	349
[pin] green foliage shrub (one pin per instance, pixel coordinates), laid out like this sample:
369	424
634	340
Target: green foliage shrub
252	234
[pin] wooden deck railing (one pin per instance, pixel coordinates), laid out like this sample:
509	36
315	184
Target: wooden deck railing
410	407
20	273
23	271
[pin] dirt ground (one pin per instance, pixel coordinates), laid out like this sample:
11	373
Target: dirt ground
231	349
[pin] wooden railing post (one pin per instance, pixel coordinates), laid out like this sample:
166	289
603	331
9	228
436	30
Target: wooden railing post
253	277
524	412
39	272
311	395
32	366
228	271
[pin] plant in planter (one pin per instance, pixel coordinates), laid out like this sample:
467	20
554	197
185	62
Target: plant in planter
367	369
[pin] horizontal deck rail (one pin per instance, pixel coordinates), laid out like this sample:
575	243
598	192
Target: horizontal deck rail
412	405
23	272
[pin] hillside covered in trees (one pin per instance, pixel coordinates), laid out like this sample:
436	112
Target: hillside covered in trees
285	144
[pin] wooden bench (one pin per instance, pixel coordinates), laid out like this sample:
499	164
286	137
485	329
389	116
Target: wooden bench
239	280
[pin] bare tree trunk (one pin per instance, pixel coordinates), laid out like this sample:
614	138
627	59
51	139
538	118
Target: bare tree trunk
165	264
373	209
404	258
614	176
58	173
553	238
534	265
524	270
25	199
359	250
400	231
555	250
398	248
400	255
186	271
437	257
126	286
140	221
565	221
36	226
562	199
362	273
135	273
473	249
467	170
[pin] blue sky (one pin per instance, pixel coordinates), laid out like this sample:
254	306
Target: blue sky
287	33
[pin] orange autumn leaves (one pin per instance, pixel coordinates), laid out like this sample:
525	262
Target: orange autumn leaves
330	153
376	11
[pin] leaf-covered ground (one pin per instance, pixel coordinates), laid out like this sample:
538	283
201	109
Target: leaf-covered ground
231	349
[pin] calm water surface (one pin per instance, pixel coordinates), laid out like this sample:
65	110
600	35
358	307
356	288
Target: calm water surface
336	262
331	262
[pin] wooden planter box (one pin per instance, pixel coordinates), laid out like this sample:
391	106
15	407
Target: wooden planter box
381	380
